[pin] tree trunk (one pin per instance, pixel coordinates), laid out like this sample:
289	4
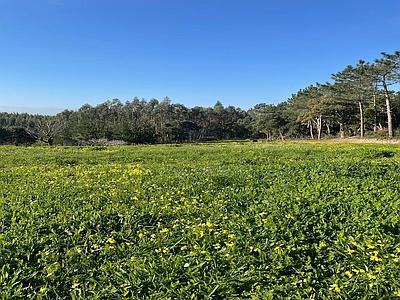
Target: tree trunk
375	113
341	130
190	136
319	126
281	135
328	129
388	110
361	118
311	129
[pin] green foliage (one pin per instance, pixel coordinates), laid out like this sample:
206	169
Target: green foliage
16	135
220	221
361	100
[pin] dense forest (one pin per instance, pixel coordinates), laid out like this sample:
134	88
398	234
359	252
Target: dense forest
361	100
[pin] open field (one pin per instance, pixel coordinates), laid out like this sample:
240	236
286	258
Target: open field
244	220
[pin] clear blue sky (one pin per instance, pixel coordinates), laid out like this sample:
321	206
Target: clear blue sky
64	53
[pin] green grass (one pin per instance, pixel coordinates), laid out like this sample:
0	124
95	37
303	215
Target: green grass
220	221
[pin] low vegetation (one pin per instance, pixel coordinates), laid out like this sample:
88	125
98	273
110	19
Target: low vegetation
201	221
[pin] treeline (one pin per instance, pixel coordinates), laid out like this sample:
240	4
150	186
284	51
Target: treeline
361	100
136	121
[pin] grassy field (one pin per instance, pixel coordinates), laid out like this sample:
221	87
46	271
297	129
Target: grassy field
221	221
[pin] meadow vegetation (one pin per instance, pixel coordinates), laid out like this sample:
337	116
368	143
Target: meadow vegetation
201	221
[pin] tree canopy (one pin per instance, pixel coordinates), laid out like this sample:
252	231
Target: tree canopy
362	99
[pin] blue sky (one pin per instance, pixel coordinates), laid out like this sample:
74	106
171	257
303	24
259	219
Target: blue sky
59	54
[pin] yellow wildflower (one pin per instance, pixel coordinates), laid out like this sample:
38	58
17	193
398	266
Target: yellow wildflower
375	258
349	274
335	287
